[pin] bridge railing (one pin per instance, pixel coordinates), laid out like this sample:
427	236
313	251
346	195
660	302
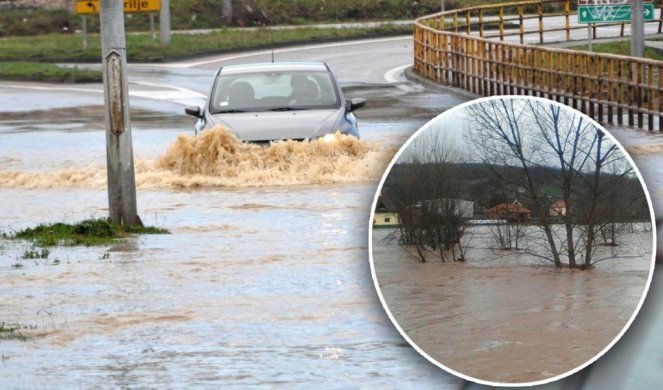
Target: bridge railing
471	49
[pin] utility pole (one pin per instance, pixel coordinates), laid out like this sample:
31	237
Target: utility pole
637	28
164	22
227	12
119	148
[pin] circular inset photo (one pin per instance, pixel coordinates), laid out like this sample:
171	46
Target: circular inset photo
512	241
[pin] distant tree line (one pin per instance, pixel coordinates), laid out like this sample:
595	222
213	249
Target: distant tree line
533	155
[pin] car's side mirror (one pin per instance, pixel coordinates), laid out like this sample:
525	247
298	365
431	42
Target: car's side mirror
355	104
194	111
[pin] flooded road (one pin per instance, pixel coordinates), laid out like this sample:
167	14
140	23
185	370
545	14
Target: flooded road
503	316
268	284
265	284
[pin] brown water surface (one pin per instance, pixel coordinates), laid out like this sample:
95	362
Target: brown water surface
502	316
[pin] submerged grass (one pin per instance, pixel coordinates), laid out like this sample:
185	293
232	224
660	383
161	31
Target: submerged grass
91	232
12	331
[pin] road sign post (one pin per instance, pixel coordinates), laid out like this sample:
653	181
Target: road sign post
84	32
119	148
638	29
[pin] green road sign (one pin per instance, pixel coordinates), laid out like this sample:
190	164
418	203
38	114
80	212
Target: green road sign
611	13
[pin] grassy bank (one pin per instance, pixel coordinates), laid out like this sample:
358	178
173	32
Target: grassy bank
621	48
27	71
196	14
88	233
141	47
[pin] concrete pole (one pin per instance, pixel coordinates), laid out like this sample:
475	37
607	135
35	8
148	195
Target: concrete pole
638	28
119	148
84	32
227	12
164	22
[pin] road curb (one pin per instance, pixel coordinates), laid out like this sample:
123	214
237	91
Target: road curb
429	84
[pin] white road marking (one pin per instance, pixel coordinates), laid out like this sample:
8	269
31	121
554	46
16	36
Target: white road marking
391	74
47	88
190	64
174	94
186	91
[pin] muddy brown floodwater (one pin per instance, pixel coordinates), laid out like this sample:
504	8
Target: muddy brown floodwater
264	280
502	316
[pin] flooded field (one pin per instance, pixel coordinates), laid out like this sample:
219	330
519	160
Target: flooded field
502	316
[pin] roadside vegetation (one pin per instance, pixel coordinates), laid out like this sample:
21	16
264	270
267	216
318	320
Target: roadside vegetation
621	48
203	14
93	232
28	71
142	47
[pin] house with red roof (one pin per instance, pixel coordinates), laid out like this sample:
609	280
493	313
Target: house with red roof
558	209
510	211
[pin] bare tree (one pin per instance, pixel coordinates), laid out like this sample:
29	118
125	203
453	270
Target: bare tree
429	190
541	138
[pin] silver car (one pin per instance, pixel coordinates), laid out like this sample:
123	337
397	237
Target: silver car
275	101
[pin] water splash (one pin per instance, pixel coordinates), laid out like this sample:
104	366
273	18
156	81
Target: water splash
216	158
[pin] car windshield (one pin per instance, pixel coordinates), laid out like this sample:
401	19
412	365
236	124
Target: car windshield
274	91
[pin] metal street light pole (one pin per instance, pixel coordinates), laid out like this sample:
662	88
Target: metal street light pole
119	148
637	28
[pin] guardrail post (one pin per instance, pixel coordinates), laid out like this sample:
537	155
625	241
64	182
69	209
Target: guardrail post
567	12
540	12
522	24
467	21
501	23
620	92
632	79
649	97
481	23
640	70
600	90
611	89
660	98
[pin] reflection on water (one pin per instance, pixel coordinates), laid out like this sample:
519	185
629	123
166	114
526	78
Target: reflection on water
503	317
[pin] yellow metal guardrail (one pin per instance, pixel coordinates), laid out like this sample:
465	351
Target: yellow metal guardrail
466	48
